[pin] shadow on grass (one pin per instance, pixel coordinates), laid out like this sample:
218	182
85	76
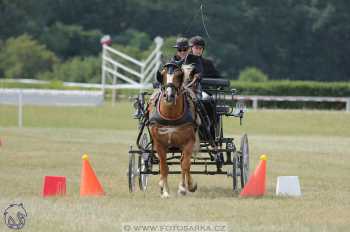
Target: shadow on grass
226	192
215	192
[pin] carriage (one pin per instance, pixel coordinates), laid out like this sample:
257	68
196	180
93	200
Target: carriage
223	159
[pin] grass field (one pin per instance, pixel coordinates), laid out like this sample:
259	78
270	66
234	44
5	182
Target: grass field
313	145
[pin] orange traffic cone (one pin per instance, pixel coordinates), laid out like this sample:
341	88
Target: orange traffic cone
89	185
256	183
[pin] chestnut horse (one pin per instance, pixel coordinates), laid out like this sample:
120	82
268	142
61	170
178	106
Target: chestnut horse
173	126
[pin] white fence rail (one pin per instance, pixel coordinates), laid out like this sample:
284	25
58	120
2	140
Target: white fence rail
121	71
256	99
68	84
40	97
51	97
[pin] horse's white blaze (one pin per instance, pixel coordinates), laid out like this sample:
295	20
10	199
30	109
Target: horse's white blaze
169	78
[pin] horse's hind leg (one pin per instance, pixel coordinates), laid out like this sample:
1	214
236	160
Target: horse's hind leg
187	183
163	183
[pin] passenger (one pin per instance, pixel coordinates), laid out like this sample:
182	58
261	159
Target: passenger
208	70
197	45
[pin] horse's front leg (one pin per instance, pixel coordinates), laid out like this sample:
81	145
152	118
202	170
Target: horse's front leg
186	183
163	183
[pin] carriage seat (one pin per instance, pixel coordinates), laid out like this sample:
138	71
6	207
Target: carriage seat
214	83
223	109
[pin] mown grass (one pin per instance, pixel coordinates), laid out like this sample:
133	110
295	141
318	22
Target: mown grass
311	144
278	122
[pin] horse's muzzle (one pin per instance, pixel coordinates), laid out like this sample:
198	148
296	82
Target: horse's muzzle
170	94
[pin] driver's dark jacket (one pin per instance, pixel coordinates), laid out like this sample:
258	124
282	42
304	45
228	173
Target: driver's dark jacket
208	68
203	66
176	60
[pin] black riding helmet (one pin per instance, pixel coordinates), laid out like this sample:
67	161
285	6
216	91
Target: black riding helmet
197	40
181	42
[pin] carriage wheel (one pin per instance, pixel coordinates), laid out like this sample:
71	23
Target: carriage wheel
234	172
145	161
244	160
132	172
144	166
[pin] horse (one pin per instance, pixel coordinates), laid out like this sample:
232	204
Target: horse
173	125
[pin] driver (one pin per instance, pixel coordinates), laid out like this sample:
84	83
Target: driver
182	49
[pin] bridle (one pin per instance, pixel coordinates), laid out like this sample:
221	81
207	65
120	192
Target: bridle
172	70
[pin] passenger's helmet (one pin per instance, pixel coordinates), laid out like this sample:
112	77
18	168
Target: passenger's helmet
197	40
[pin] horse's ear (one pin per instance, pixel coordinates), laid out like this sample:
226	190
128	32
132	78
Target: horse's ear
159	77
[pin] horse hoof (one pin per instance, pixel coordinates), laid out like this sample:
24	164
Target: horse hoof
193	188
165	195
182	190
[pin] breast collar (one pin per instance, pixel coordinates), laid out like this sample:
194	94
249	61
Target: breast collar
157	117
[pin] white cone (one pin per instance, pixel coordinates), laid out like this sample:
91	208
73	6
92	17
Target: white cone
288	186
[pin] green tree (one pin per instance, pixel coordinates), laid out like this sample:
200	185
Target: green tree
78	69
252	74
24	57
134	38
290	39
109	16
11	14
71	40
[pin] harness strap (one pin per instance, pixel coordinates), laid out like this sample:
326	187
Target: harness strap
156	117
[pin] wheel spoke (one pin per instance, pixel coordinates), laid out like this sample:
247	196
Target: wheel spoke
143	178
244	161
132	172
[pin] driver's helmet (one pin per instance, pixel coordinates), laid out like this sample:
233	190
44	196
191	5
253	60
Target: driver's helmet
181	43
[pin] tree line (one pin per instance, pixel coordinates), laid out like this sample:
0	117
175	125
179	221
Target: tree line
285	39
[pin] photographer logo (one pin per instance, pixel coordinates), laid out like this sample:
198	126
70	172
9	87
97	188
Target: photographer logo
15	216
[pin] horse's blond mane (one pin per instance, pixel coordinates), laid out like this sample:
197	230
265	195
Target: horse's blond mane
187	69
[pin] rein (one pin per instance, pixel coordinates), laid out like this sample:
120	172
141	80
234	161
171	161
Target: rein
186	87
